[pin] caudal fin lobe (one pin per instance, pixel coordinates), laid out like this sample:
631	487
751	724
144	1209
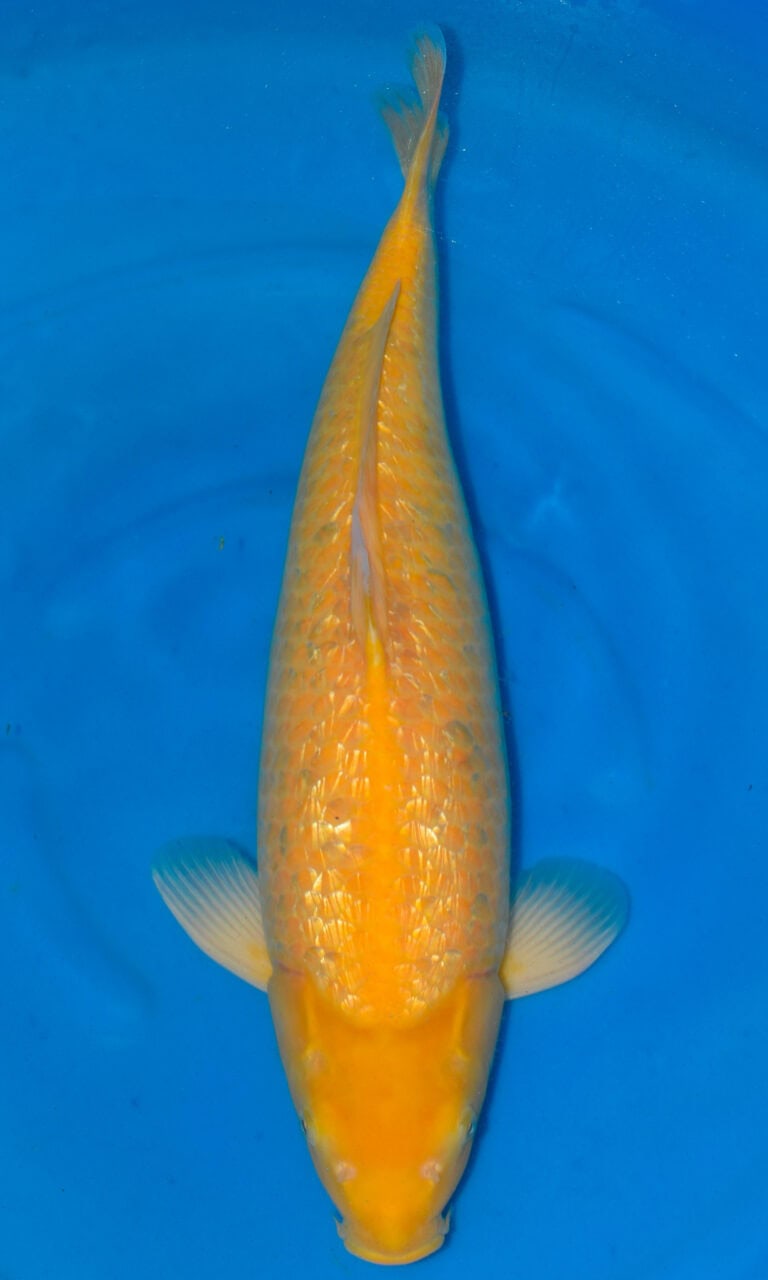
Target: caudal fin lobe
419	131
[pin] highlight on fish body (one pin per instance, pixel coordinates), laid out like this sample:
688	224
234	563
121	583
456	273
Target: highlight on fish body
380	922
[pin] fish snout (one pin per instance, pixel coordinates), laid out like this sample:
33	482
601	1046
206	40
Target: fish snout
392	1240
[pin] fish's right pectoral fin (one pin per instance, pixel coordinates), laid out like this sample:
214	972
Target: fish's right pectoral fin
564	914
213	891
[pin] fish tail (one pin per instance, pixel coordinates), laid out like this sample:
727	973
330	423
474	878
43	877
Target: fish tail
419	131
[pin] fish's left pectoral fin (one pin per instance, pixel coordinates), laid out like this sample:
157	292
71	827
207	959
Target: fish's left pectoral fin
564	914
213	891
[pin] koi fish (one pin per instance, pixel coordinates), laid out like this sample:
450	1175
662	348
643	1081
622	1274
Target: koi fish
380	922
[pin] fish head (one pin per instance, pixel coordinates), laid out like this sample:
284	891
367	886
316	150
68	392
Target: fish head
389	1109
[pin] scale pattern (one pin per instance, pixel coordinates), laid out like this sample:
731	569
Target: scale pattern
383	845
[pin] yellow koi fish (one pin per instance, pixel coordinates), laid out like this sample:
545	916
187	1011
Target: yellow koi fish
380	922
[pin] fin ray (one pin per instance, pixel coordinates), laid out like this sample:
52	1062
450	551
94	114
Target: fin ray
367	585
565	913
213	891
419	132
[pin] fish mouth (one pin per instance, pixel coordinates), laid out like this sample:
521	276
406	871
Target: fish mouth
363	1245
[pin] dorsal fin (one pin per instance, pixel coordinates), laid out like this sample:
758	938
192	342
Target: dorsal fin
367	586
419	133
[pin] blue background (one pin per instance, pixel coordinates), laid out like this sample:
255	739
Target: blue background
190	196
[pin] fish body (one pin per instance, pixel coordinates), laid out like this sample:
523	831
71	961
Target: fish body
383	800
380	920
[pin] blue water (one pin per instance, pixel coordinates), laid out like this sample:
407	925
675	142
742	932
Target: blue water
191	193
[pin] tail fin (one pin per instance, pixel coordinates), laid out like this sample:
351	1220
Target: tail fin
419	132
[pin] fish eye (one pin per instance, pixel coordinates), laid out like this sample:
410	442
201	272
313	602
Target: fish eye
308	1128
468	1125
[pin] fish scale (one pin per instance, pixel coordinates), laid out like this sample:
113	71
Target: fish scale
404	805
